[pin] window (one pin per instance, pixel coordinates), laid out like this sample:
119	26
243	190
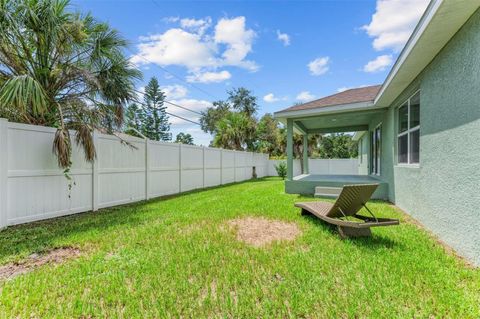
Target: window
409	131
375	150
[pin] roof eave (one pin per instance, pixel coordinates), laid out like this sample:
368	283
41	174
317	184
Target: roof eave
334	109
419	50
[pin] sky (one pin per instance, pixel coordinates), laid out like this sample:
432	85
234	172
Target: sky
285	52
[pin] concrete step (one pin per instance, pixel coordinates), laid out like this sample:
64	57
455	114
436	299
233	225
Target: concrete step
324	191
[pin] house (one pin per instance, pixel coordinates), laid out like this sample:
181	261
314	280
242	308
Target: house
419	132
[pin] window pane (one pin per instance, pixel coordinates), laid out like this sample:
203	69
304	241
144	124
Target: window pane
403	149
415	110
379	148
360	150
376	150
372	152
414	146
403	118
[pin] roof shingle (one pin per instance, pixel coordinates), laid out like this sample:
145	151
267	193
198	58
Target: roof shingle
363	94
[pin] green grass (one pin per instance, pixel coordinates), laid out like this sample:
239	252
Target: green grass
173	257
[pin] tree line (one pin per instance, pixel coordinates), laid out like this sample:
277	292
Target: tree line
67	70
233	123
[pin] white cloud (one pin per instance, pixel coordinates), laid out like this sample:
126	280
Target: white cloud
209	77
343	89
171	19
319	66
393	22
379	64
175	47
197	26
196	47
238	39
284	38
271	98
305	96
174	91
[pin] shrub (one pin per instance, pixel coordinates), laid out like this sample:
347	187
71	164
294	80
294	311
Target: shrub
281	169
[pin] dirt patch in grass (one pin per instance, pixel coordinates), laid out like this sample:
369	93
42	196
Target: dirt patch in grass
54	256
260	232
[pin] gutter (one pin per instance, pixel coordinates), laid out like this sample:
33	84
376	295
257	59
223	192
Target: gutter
334	109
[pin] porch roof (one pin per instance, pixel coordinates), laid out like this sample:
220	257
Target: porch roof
356	95
440	21
347	111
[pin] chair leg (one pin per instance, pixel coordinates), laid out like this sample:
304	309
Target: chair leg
305	212
346	232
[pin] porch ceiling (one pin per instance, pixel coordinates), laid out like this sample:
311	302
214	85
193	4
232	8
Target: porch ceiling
332	123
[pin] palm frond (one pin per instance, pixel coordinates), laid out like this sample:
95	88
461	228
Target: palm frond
62	148
64	69
84	138
25	94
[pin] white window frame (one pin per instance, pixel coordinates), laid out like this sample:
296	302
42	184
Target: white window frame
407	132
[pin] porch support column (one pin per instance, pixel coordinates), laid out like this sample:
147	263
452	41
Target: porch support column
305	153
289	149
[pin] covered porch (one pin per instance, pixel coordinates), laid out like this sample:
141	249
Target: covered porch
323	119
330	185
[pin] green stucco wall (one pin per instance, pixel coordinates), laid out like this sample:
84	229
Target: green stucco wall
443	192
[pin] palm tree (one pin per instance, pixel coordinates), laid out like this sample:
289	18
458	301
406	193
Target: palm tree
243	100
232	131
62	69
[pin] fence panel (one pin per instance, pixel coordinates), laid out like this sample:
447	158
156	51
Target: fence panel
260	161
164	168
213	167
333	166
192	167
32	187
228	166
320	166
36	187
121	170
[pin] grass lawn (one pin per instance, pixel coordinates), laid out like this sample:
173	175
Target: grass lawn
175	257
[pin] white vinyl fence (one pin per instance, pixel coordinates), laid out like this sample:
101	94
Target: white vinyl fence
320	166
32	187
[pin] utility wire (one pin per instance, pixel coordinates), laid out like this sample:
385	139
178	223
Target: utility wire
171	114
183	107
174	104
182	118
174	75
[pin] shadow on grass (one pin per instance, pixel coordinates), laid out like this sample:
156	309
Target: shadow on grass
42	235
37	236
373	242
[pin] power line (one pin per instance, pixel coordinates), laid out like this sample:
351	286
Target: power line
171	114
183	107
182	118
174	104
174	75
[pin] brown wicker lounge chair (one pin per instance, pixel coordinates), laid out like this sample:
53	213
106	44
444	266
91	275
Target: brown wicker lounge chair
349	202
